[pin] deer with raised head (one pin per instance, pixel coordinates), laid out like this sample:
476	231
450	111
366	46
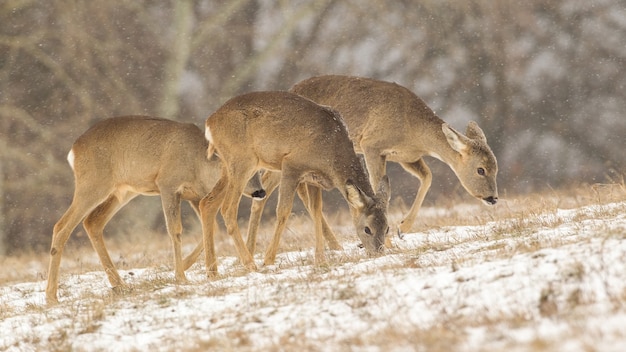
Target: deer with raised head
388	122
310	146
120	158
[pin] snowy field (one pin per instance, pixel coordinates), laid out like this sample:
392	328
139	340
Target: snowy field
552	280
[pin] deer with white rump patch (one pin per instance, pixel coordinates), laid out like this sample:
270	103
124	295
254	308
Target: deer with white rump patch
309	145
120	158
388	122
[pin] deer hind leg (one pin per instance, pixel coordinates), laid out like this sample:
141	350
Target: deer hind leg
236	184
286	194
94	224
304	192
255	190
420	170
85	200
270	181
171	210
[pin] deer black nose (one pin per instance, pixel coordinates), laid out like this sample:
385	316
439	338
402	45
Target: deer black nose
260	194
491	200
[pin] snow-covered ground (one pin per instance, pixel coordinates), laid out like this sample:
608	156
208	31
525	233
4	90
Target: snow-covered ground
554	281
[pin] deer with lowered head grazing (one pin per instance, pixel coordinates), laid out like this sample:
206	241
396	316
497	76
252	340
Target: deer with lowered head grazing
120	158
309	145
388	122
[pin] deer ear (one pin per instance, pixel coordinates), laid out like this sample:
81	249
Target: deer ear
456	140
474	132
383	189
354	196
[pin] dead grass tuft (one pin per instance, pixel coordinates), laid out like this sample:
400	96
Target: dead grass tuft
445	337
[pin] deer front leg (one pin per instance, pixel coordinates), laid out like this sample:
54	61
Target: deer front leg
420	170
315	210
193	256
304	192
209	206
171	209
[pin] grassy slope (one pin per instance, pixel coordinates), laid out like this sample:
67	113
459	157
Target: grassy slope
464	248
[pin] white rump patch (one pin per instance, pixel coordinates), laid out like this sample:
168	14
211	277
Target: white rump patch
70	158
207	134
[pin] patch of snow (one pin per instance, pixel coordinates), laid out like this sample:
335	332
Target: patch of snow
568	292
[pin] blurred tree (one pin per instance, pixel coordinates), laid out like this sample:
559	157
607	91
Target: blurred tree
177	58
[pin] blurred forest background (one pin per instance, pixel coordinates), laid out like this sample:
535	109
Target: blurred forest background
545	79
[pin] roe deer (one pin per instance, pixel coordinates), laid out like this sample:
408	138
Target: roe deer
119	158
309	145
388	122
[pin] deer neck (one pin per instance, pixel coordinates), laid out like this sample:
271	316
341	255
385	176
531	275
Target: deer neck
437	146
356	173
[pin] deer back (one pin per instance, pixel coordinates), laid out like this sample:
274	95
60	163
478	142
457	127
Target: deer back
370	107
392	121
281	127
143	153
307	143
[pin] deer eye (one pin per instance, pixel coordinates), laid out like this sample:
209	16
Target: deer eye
481	171
368	231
